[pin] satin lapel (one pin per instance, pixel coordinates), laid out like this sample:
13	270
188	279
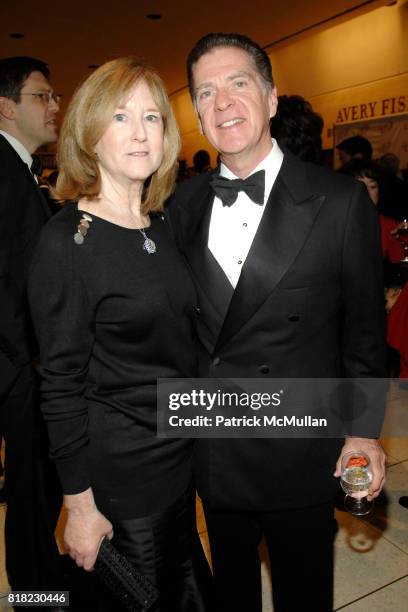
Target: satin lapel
208	275
288	218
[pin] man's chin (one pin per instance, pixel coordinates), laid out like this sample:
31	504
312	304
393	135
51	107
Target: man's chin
225	154
52	135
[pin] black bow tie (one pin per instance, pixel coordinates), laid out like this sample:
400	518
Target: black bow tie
36	165
227	190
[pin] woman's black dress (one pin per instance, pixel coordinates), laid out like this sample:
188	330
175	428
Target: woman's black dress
111	319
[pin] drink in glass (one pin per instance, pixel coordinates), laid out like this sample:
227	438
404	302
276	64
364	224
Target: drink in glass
356	477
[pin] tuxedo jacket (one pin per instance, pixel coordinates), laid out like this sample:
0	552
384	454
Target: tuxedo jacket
309	303
23	211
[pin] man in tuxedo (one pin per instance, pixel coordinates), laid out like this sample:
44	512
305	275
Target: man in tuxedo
28	108
288	270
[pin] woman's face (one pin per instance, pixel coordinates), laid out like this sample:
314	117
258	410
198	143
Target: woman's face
131	149
372	188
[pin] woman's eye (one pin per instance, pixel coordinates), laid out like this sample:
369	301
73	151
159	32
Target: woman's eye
120	117
153	118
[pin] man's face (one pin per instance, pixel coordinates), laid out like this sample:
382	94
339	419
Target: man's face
234	106
34	119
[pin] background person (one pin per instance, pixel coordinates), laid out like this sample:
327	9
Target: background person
371	175
201	162
28	109
298	128
114	309
355	147
395	273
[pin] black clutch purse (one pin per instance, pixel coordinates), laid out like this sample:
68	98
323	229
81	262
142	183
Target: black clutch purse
133	590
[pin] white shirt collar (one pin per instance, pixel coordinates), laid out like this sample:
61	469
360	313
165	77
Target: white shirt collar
271	164
18	147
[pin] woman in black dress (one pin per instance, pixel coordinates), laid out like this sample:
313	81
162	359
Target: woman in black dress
114	308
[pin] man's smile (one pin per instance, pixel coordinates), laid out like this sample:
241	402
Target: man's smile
230	122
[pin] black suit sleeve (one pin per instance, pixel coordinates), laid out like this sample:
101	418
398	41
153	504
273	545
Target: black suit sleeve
362	290
172	215
363	329
12	332
64	324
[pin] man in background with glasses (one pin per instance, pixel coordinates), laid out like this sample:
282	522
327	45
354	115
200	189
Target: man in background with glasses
28	108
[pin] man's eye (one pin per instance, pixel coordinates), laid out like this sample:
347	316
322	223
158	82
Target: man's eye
206	93
119	117
240	84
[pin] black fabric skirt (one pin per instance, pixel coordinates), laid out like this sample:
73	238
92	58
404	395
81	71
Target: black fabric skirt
160	547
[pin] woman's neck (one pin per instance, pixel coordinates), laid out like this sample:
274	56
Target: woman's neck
119	204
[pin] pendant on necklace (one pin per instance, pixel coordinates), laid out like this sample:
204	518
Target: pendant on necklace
148	245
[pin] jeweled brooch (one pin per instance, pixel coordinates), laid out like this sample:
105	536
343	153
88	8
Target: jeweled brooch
83	228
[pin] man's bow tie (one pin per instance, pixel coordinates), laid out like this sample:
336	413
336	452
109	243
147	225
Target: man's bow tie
227	190
36	165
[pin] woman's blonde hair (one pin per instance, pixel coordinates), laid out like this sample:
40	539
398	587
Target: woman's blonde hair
87	118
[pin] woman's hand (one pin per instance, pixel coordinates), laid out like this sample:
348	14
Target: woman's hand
85	529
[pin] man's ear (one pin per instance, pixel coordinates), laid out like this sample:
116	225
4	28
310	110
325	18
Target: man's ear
273	102
7	108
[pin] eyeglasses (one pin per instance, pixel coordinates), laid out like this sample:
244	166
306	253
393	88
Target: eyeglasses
44	96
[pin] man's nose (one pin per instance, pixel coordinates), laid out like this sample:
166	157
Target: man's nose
222	99
53	105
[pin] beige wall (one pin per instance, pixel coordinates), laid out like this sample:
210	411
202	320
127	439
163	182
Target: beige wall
352	71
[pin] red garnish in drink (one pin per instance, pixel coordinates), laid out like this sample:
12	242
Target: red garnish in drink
357	462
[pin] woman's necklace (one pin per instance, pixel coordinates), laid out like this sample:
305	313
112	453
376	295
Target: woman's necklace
148	245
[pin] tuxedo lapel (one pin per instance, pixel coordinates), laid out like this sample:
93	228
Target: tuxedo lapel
288	218
208	274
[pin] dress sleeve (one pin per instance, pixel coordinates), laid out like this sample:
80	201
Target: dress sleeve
64	323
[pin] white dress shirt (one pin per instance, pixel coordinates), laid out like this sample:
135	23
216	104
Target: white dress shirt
233	228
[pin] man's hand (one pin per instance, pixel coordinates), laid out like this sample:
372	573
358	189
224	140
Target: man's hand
373	449
85	529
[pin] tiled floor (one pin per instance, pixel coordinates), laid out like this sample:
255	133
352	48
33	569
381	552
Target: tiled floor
371	555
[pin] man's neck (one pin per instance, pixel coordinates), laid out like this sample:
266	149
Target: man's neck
20	137
18	147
